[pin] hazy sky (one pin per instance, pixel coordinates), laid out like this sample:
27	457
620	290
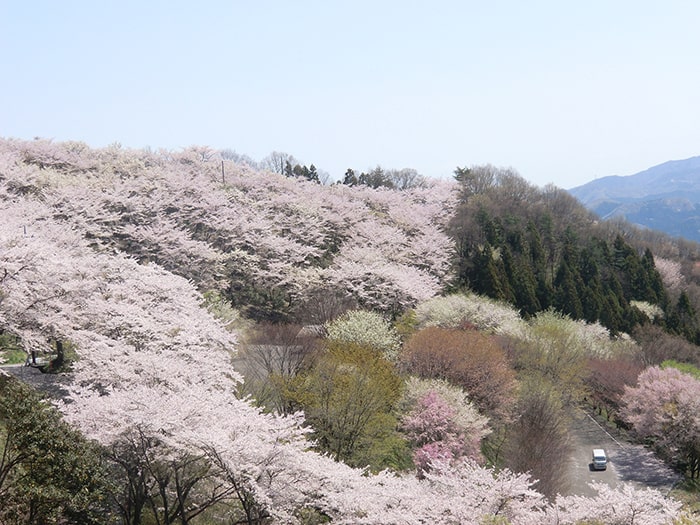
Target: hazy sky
561	91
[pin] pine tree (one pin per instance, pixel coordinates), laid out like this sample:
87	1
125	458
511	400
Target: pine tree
592	293
522	281
490	277
611	313
682	319
657	292
538	266
566	295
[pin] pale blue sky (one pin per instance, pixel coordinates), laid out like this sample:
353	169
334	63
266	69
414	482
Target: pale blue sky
563	92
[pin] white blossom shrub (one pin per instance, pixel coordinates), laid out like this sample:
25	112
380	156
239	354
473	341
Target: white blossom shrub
366	329
454	310
652	311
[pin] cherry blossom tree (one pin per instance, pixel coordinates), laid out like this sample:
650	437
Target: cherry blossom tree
441	423
670	272
665	407
268	239
624	504
474	494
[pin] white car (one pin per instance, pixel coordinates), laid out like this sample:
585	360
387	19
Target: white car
600	460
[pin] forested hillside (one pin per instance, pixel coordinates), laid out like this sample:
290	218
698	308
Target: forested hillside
242	346
538	248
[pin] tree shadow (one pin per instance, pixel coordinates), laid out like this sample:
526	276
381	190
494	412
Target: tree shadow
639	464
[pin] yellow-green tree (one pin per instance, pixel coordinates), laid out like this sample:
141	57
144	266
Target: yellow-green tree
349	397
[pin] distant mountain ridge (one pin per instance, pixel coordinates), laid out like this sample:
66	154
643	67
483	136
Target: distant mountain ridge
665	197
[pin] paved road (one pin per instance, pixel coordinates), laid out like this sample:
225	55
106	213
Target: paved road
627	463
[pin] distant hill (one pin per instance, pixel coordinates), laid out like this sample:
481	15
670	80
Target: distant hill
664	197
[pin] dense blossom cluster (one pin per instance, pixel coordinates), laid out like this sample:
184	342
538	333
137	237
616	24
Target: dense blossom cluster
665	407
205	219
152	359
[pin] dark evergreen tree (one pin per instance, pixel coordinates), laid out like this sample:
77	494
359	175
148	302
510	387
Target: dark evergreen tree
592	302
682	319
592	293
611	315
350	179
566	294
522	283
545	251
489	277
539	265
621	252
657	292
491	228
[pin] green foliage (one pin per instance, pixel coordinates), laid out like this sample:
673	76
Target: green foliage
380	178
556	350
11	352
220	308
301	171
682	319
258	301
406	324
311	516
48	472
349	397
686	368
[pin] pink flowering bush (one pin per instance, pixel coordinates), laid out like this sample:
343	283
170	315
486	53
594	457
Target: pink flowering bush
441	423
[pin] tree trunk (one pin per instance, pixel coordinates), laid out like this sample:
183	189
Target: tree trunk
60	356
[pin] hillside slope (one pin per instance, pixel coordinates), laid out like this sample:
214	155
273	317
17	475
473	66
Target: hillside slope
272	244
123	256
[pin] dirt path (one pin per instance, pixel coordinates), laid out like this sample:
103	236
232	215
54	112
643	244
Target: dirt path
627	463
